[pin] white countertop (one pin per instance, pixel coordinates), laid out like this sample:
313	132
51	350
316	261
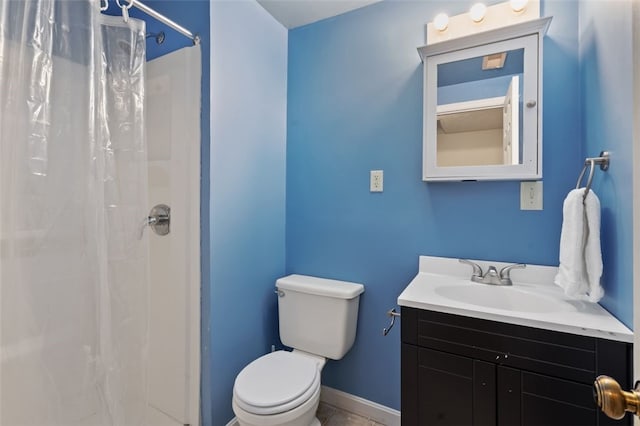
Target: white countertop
444	285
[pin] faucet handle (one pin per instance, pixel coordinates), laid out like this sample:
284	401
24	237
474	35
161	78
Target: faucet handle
477	270
491	272
505	273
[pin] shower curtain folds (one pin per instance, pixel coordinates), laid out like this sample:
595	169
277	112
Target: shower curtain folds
74	284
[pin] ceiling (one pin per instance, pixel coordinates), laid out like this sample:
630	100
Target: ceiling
295	13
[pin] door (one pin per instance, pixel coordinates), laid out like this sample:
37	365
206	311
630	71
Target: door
635	44
173	139
511	123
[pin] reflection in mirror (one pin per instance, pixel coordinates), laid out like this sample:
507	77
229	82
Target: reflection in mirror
479	110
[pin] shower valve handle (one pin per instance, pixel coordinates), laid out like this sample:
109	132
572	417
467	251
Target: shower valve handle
159	220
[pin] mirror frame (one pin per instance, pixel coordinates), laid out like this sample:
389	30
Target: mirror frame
528	36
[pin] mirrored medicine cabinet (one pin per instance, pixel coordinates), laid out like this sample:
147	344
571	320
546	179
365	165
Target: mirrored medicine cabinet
483	105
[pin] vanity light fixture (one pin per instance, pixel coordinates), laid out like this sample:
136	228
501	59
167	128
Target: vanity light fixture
441	21
479	18
477	12
518	5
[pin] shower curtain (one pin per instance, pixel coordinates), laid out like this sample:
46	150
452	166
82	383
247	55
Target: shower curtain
73	188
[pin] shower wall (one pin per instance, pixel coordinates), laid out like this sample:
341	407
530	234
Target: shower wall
194	15
173	138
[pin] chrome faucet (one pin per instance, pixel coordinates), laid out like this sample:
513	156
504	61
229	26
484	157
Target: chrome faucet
492	276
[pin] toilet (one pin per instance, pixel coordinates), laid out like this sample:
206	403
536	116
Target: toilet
318	319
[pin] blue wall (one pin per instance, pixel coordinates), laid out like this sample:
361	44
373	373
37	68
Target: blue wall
466	70
478	89
607	104
355	104
247	220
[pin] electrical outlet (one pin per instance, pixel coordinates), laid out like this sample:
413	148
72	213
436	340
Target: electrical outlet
376	181
531	195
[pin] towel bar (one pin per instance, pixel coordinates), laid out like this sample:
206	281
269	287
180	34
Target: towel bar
602	161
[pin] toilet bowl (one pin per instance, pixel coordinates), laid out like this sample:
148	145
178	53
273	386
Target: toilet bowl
317	318
278	389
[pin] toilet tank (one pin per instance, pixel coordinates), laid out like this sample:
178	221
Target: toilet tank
318	315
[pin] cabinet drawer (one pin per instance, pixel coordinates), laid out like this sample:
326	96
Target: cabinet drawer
558	354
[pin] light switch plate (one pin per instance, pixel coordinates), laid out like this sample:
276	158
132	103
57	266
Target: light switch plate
531	195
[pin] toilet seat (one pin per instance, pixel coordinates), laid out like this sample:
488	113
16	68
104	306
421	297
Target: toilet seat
276	382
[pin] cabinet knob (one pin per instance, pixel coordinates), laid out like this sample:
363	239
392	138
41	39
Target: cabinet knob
612	400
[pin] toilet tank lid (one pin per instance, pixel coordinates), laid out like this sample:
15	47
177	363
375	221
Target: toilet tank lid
320	286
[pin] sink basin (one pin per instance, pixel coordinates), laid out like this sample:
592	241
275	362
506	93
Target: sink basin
503	298
443	285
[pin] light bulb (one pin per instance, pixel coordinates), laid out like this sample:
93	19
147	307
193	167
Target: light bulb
477	12
441	21
518	5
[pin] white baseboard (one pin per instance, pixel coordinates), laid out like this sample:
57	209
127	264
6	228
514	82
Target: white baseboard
360	406
354	404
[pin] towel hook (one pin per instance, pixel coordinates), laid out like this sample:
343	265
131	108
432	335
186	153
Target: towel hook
602	161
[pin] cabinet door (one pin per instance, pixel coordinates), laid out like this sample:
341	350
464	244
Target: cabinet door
531	399
509	396
550	401
484	393
455	390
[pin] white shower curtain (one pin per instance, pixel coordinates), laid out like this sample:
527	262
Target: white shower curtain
73	193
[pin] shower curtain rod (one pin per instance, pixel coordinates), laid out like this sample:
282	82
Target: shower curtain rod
160	17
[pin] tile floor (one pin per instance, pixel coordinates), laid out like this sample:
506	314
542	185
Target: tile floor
333	416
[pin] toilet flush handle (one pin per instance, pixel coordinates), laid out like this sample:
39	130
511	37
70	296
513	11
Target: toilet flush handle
279	292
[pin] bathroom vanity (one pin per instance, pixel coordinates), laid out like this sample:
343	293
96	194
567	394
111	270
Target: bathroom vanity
476	354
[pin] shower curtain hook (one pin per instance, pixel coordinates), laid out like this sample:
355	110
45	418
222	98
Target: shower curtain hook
125	9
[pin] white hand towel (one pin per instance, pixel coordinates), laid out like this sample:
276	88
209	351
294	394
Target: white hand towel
580	254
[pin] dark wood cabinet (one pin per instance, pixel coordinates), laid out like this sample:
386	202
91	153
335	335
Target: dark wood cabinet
460	371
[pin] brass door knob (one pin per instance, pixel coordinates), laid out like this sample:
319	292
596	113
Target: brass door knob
612	400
